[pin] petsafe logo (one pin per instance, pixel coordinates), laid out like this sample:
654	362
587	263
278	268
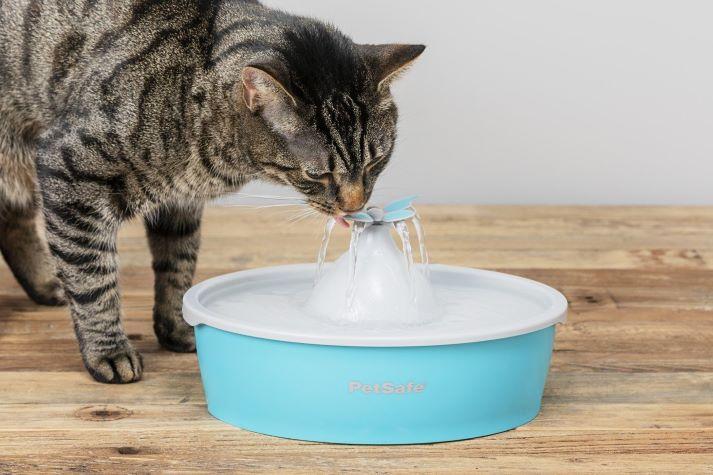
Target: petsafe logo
386	388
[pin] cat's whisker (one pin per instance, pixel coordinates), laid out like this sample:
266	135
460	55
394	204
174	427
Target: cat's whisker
300	216
314	214
240	205
289	212
268	197
309	213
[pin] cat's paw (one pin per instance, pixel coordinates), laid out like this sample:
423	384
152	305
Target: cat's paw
49	293
179	338
121	365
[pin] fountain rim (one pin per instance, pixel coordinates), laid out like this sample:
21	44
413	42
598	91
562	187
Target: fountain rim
195	313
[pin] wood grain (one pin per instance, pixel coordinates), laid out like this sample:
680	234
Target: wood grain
630	389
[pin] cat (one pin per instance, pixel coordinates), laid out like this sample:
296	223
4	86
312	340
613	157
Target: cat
115	109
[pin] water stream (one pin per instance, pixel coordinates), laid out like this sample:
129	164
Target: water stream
376	278
421	243
357	229
322	256
402	231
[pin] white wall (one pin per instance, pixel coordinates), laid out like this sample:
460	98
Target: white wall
547	101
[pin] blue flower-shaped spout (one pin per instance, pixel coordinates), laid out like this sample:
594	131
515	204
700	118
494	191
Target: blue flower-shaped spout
399	210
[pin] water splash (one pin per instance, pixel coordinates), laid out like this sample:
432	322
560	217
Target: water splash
421	236
402	231
322	255
351	312
377	278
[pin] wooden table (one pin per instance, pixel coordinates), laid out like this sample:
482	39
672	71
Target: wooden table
630	389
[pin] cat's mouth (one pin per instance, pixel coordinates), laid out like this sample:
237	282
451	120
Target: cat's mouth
331	211
341	221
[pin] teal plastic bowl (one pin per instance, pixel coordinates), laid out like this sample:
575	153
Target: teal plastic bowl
400	388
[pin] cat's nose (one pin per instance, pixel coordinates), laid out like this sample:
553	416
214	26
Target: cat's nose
351	198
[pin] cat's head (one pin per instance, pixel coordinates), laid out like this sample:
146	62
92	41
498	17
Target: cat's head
325	105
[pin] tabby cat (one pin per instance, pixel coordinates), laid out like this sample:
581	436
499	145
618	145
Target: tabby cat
116	109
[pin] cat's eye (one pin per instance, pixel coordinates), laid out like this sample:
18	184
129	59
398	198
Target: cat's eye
318	176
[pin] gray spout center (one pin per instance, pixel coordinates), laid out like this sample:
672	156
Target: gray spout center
376	213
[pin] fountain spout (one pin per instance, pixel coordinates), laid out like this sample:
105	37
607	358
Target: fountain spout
375	281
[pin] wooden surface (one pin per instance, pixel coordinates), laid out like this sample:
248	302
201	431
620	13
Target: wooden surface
630	389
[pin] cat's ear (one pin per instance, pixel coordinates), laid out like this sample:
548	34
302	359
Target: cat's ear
264	93
263	88
389	61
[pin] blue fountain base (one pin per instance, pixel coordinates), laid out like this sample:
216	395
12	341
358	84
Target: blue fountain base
373	395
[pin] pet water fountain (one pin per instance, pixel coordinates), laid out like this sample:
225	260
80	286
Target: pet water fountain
374	348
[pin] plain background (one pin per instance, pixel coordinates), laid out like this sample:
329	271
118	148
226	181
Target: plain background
545	102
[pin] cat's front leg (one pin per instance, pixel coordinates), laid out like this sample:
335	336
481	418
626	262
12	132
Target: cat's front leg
81	224
174	237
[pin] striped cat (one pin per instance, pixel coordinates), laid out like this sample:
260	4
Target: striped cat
116	109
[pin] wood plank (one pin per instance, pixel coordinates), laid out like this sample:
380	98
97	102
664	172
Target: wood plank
126	458
191	415
241	451
179	387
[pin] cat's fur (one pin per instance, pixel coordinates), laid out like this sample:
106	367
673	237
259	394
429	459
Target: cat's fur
115	109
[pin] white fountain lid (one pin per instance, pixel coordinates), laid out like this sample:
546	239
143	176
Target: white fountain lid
494	305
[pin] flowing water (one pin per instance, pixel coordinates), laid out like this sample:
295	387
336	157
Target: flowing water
421	236
402	231
374	281
322	256
357	229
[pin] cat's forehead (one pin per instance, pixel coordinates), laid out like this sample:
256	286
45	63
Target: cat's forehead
341	102
346	110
